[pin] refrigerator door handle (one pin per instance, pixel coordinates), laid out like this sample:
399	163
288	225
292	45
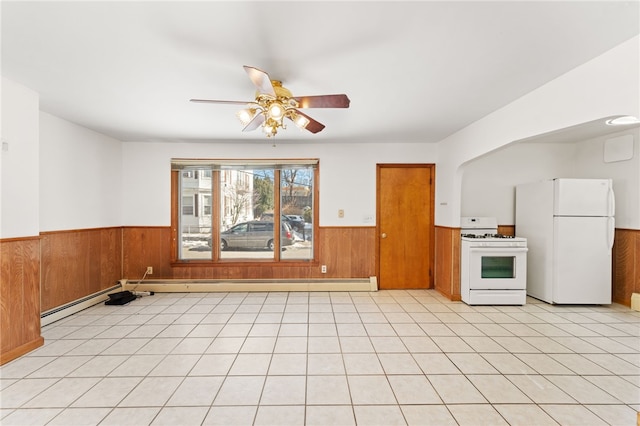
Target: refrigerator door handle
612	232
612	202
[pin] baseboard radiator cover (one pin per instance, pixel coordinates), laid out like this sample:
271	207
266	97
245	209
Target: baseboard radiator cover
635	304
56	314
248	285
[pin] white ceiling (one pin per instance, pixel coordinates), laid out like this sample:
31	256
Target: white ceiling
414	71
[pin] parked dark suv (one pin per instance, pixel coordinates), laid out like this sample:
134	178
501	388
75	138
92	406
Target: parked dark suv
296	222
255	234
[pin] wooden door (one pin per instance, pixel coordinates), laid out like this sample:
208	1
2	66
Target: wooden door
405	206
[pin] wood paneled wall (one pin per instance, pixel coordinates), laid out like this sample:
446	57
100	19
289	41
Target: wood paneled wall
78	263
507	229
19	297
146	246
348	252
447	274
626	265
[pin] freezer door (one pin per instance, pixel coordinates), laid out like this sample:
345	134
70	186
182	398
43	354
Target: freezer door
582	260
583	197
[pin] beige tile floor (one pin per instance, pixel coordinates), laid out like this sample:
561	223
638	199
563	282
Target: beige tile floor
329	358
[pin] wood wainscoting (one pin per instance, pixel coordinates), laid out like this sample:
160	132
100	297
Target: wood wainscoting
19	297
507	229
447	253
348	252
41	273
626	265
78	263
144	246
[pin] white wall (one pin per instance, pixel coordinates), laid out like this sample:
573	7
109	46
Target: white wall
590	163
19	182
605	86
488	182
347	175
59	191
80	177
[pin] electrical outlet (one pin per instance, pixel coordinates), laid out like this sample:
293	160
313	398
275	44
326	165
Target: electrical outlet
340	213
149	270
323	269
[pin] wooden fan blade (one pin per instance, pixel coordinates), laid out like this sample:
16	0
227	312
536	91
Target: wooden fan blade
261	80
323	101
254	123
313	126
213	101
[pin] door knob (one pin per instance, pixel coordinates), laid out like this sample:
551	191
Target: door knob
383	235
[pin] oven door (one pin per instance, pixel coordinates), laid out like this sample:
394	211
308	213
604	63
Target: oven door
499	268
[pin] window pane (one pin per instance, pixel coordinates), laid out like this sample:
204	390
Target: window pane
246	230
187	206
238	205
206	205
296	203
195	222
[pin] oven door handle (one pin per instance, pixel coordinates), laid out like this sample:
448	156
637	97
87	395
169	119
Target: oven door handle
505	250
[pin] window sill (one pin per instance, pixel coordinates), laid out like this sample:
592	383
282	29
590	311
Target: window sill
225	263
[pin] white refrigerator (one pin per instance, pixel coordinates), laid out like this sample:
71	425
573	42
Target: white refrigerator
569	226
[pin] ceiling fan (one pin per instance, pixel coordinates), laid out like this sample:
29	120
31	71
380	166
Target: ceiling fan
274	103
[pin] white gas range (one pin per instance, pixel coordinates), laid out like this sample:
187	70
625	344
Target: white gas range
493	267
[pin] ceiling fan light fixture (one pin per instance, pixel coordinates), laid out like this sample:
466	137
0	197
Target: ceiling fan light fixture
273	103
301	121
270	127
276	111
246	115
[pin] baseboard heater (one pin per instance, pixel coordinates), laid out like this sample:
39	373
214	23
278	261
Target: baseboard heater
248	285
635	304
206	286
56	314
